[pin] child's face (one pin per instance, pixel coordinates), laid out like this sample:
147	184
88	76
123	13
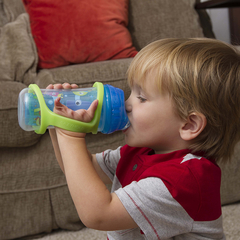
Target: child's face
154	123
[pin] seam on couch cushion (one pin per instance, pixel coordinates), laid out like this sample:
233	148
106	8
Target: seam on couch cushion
33	190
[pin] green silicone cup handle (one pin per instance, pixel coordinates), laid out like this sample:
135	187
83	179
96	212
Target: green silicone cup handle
49	118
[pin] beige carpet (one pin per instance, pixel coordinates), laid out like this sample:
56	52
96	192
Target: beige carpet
231	224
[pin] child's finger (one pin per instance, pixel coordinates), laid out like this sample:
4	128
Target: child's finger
50	86
93	107
58	86
80	115
58	104
66	86
74	85
86	115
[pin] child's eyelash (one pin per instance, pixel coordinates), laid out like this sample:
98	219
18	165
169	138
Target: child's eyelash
141	99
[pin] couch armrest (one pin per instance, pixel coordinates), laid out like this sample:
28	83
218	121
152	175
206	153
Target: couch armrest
10	10
11	135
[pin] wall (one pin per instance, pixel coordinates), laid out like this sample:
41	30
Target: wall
220	22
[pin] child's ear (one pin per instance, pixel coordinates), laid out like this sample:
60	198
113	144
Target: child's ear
195	124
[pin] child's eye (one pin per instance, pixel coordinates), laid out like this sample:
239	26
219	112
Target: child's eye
142	99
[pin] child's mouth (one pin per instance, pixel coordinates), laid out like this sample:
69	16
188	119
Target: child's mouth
126	127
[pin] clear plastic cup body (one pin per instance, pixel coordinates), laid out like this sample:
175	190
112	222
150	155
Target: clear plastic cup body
113	115
29	112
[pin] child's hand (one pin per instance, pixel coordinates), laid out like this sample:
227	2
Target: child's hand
80	115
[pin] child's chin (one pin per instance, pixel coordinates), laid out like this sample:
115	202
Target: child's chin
127	141
130	143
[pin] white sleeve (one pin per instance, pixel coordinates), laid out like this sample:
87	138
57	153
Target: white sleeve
108	161
153	208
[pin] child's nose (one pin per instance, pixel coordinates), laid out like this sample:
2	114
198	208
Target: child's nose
128	106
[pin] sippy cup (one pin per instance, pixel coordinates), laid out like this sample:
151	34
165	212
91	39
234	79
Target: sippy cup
35	109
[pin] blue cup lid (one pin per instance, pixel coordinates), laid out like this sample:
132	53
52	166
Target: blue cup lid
115	112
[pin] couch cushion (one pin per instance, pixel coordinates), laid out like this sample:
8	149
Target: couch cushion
34	197
78	31
157	19
11	135
108	72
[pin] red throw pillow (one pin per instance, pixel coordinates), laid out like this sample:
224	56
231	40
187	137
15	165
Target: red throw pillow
79	31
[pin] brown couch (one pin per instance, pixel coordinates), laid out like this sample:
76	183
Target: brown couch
34	197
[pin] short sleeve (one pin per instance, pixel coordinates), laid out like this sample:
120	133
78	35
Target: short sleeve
153	208
108	161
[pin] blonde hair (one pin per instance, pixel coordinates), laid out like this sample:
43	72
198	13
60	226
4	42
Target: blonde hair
201	75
